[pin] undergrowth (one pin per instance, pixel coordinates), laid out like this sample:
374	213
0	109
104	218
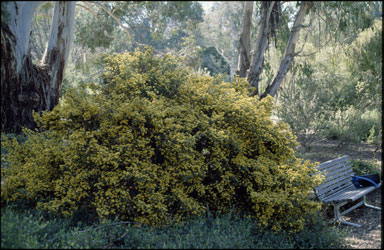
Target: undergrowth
29	228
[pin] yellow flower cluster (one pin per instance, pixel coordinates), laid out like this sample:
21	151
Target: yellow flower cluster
155	144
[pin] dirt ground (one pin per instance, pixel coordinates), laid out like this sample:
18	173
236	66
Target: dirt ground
369	235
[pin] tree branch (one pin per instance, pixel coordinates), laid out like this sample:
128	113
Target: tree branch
89	8
289	50
114	17
305	39
222	54
126	29
255	69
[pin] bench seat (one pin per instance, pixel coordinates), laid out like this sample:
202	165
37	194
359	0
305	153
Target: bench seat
337	188
350	194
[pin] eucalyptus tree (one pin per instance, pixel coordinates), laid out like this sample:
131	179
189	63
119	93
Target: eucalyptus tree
270	13
340	21
245	40
26	86
35	85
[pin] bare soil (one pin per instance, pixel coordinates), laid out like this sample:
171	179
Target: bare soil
369	235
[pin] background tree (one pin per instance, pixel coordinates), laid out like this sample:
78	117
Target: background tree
269	20
220	29
334	89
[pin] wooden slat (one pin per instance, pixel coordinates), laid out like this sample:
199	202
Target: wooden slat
333	175
324	194
335	179
349	195
335	170
333	187
332	162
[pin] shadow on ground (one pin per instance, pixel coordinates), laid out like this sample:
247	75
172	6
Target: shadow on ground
368	236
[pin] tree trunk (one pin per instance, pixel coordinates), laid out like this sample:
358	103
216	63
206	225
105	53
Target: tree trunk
235	54
245	40
56	54
289	52
260	46
26	87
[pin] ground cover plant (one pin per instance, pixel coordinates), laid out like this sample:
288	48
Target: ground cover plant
35	229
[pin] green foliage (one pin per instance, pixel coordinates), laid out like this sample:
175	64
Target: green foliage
365	64
156	144
90	30
213	61
306	102
338	94
4	152
33	229
345	19
318	235
352	125
19	230
364	167
159	24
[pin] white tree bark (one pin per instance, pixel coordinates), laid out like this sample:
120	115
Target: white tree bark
260	47
57	51
245	40
19	23
26	87
235	53
289	52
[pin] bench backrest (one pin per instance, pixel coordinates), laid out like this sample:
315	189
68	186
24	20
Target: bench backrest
337	176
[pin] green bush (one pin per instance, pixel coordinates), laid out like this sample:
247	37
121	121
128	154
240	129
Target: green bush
337	94
360	167
354	126
155	144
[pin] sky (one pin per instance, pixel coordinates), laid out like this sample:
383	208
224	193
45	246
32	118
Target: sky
206	5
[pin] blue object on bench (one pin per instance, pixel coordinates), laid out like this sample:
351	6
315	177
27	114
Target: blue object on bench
366	180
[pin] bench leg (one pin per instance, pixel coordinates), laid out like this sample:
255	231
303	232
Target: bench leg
370	206
338	216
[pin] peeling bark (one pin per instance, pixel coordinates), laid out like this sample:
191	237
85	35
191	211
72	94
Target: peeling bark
245	40
57	52
289	52
260	47
26	87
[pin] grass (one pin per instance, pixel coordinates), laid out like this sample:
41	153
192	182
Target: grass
28	228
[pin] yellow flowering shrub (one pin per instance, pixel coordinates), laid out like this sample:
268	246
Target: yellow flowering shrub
156	143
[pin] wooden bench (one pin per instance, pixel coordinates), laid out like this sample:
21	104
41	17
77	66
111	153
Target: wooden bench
337	188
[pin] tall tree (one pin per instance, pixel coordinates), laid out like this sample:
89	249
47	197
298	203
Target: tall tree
266	26
245	40
36	85
289	52
270	13
27	86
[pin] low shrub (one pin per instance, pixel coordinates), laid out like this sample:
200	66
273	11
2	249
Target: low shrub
155	144
34	229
